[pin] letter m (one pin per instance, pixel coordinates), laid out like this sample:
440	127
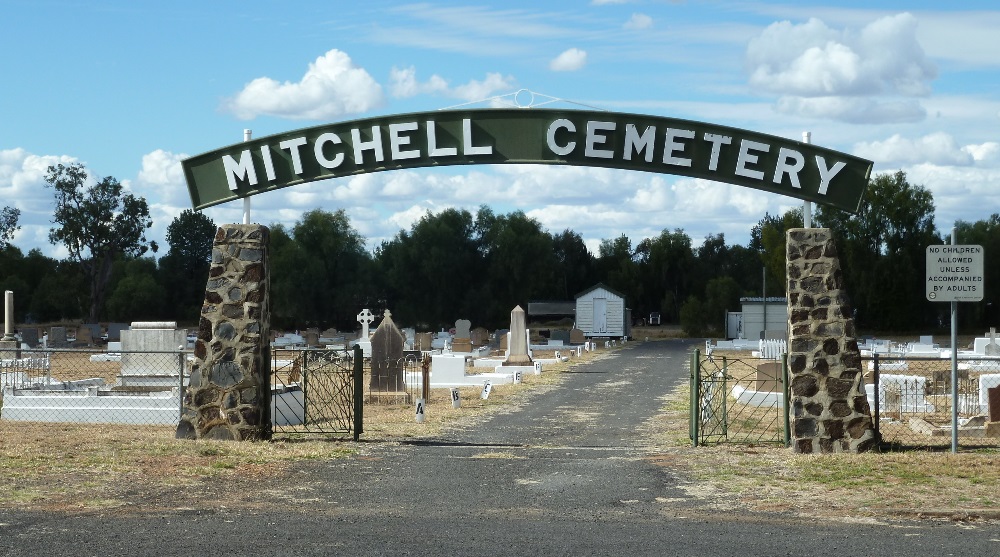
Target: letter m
242	171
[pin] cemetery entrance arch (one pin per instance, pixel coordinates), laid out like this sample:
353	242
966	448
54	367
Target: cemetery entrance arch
528	136
227	399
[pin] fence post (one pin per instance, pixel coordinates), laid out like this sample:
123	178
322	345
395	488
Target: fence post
876	389
359	391
725	395
786	392
180	384
695	399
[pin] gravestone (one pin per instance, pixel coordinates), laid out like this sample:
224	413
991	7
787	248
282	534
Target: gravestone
479	336
84	336
29	336
115	331
992	349
423	341
462	327
387	357
518	354
768	377
560	336
366	317
312	337
57	337
409	336
576	336
993	404
144	361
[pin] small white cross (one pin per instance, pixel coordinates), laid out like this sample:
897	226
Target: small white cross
365	317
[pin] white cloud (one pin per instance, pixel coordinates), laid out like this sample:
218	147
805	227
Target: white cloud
639	21
824	72
812	59
404	84
936	148
569	61
333	86
853	110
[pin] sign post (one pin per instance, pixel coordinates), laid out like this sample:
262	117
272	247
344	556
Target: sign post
954	274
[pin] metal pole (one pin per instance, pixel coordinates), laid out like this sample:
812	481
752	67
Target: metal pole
785	390
359	391
954	368
246	200
763	300
807	206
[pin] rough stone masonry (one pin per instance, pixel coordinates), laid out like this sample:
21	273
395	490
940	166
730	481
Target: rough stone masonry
830	410
229	396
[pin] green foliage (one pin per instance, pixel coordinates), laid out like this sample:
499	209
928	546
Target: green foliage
694	317
137	296
8	225
184	268
96	225
883	251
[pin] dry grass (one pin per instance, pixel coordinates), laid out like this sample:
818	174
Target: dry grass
112	468
871	485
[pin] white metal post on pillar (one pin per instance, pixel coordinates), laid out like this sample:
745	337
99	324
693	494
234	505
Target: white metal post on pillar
247	134
807	206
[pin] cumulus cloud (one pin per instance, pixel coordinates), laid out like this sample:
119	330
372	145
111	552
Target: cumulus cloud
404	84
332	86
940	149
639	21
569	61
814	61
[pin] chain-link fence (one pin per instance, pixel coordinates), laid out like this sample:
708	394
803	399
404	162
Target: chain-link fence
82	386
912	400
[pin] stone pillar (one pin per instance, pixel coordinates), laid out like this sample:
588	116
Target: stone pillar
830	410
229	396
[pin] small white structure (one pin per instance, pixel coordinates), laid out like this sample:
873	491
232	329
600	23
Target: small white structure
757	316
601	312
448	370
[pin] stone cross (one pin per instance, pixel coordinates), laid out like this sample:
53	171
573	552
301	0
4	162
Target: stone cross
991	348
365	318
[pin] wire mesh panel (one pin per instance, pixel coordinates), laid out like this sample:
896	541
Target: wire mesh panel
912	400
87	386
395	380
738	399
312	391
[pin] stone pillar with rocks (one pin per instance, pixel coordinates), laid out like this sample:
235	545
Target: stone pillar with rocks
229	396
830	410
518	349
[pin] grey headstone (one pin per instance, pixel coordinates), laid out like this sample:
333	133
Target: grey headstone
462	327
29	336
115	331
387	357
518	353
57	337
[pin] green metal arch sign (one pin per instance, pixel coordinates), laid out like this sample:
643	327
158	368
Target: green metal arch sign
528	136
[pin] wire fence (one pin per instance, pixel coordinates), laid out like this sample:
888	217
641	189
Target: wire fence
736	398
912	400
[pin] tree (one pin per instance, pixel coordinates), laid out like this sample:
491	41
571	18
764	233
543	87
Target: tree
574	264
184	269
8	225
665	262
97	224
137	296
882	251
768	239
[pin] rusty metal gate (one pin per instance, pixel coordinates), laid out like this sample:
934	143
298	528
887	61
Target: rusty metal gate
316	391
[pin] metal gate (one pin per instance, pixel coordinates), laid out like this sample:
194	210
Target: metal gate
316	391
738	400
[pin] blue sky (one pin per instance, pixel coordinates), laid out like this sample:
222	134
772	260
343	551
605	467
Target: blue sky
131	88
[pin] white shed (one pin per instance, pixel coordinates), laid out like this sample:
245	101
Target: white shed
601	312
759	318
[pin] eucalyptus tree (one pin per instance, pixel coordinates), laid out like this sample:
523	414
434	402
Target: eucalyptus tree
96	223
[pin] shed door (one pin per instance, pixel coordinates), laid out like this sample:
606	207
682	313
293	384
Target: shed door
600	315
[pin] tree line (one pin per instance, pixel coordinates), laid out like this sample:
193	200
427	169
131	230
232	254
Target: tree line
456	264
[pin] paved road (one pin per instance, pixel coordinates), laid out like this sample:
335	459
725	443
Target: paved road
565	473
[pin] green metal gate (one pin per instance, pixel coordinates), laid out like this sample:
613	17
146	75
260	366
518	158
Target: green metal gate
315	391
738	400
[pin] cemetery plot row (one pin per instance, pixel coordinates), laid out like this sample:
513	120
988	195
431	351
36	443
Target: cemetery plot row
913	406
